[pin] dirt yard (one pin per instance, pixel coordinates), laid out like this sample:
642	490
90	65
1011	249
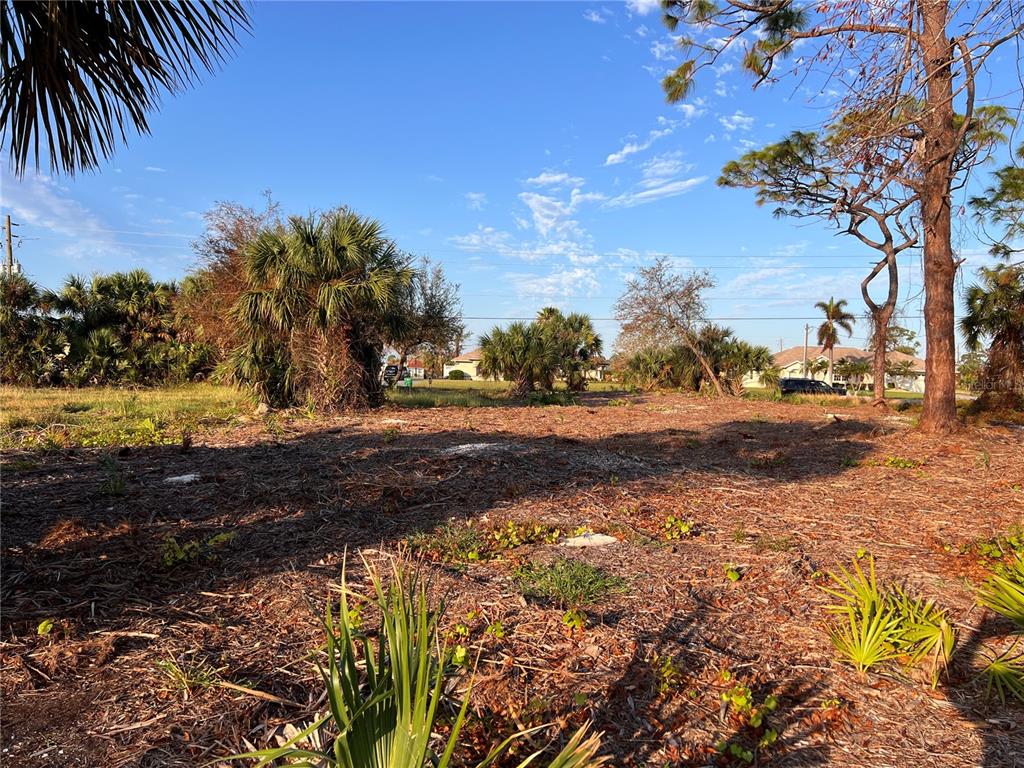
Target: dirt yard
100	609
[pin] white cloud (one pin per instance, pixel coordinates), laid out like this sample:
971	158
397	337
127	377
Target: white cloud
594	16
632	147
36	201
724	68
692	111
562	283
654	192
476	201
642	7
642	31
663	167
737	120
721	89
155	169
663	51
554	179
485	238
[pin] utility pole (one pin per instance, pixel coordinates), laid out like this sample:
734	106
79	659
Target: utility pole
9	265
807	331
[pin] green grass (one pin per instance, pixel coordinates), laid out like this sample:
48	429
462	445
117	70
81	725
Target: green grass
760	393
467	394
106	416
568	583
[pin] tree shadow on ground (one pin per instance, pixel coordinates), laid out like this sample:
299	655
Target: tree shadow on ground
72	548
77	553
1002	745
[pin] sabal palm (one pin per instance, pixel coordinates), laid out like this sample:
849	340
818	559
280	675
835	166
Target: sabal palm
521	353
318	288
77	76
994	311
575	341
836	319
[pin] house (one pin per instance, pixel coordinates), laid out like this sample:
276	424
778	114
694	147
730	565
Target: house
416	368
599	370
791	365
468	363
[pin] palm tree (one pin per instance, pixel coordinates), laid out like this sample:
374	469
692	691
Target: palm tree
576	344
816	366
20	324
78	75
836	319
521	353
323	296
994	310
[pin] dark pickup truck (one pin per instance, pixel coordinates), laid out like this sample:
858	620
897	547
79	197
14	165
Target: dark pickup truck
809	387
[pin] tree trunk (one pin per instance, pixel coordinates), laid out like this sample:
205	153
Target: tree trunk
878	363
829	374
880	317
939	413
704	364
521	388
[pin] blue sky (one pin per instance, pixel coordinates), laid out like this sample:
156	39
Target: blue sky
526	146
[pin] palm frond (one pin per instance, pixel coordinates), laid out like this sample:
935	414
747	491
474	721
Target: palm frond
77	76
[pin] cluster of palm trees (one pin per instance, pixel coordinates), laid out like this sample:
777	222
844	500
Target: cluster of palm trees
323	297
678	367
111	329
533	355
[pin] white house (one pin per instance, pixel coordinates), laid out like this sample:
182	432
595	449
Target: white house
791	365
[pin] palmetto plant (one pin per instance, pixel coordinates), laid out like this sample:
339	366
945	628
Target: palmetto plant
521	353
384	704
994	311
880	624
836	319
1005	674
77	76
323	295
1003	592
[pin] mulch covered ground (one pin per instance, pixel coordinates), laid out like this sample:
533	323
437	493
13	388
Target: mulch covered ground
780	492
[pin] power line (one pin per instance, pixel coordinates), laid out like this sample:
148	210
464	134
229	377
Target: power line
715	319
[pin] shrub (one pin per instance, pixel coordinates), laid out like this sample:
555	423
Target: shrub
551	398
457	375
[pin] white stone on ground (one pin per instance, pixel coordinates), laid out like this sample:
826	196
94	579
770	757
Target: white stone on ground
589	540
192	477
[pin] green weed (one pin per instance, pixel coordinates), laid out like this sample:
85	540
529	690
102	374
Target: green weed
568	583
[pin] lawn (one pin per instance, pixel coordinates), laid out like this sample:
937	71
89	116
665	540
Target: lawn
155	623
100	416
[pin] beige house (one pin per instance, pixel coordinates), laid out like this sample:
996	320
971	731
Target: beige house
468	363
791	365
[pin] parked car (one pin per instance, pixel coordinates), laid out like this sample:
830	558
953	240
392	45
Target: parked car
390	374
809	387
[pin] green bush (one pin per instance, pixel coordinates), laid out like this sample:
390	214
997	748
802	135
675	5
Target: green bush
457	375
551	398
